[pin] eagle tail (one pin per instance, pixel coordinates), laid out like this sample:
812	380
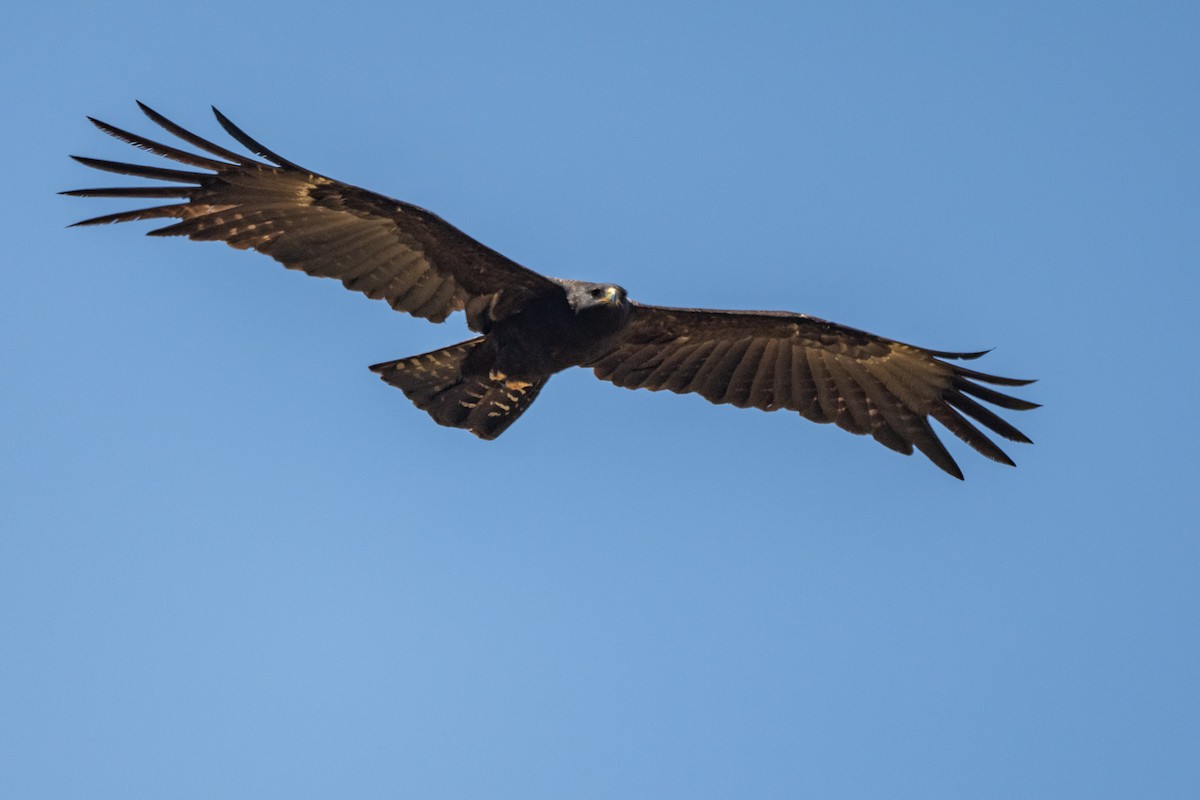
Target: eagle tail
459	387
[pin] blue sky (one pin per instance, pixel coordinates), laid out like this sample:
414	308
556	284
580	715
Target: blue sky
236	564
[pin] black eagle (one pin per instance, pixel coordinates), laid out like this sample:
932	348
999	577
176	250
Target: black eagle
532	326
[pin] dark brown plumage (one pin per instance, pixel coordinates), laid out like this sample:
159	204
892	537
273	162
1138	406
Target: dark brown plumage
533	326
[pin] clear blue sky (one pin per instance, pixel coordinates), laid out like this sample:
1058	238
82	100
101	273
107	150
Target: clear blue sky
235	564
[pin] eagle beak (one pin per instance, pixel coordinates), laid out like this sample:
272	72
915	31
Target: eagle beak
610	295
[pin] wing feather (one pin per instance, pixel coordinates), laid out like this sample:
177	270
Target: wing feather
762	385
672	363
805	398
721	379
741	364
958	425
893	424
827	397
857	416
783	377
384	248
701	383
683	377
986	417
863	383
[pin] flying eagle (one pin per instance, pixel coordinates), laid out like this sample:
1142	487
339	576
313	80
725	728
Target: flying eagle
532	326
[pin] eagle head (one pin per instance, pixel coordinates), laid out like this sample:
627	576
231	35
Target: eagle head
604	298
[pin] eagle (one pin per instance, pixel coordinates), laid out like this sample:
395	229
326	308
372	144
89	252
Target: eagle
531	326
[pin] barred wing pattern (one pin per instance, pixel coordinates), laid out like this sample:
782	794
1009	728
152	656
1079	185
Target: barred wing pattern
384	248
827	372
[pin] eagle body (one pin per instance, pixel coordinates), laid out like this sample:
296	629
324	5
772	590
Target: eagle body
531	326
561	330
484	384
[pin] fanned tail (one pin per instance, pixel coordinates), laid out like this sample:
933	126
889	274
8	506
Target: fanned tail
460	388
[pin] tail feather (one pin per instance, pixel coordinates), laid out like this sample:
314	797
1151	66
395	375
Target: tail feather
459	388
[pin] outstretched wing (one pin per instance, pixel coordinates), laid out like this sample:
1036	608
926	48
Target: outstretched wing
384	248
827	372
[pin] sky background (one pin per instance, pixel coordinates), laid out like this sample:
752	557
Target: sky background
236	564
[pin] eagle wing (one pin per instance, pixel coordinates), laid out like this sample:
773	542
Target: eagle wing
386	249
827	372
